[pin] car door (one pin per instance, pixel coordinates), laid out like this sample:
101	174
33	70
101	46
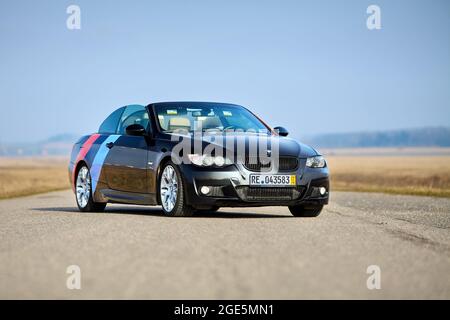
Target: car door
126	163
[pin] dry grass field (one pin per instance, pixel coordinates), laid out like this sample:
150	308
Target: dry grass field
26	176
417	175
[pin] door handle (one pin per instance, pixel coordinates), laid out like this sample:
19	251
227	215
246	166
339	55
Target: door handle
110	145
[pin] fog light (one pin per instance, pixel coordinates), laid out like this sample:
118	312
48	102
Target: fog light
322	190
204	190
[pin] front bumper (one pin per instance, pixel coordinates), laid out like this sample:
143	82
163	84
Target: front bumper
229	187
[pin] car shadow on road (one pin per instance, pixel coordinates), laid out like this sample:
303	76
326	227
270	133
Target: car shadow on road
157	212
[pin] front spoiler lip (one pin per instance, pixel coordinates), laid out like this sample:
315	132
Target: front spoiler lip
236	202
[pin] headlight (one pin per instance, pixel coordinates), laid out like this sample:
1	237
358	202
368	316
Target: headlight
206	160
316	162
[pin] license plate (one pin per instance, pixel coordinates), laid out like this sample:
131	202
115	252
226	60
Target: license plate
272	180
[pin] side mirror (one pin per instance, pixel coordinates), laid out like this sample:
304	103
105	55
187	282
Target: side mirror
135	130
281	131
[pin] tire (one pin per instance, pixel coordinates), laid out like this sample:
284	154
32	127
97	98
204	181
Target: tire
83	192
305	211
171	192
212	209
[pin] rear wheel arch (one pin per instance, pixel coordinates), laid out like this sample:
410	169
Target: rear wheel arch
91	205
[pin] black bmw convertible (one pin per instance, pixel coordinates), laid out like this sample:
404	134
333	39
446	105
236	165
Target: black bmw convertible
196	156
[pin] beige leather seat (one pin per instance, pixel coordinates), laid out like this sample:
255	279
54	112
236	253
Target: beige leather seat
177	123
206	123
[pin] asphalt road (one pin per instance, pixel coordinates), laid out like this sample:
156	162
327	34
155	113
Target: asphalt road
256	253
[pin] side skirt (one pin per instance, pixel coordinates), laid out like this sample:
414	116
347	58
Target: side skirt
114	196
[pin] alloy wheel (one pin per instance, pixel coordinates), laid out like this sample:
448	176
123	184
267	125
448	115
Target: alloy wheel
169	188
83	188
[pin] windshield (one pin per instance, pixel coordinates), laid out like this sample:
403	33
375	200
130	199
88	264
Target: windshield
222	117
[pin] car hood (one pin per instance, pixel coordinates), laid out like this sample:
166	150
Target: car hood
286	146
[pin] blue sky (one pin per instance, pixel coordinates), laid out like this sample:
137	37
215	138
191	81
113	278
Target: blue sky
311	66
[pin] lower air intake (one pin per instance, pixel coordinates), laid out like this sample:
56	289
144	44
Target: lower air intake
269	193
